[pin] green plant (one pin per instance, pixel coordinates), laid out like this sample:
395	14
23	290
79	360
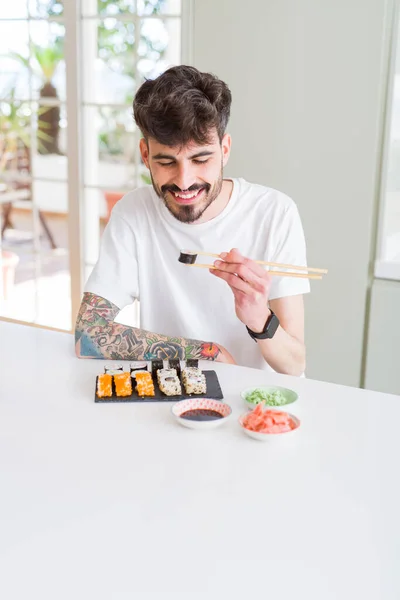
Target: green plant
43	61
15	127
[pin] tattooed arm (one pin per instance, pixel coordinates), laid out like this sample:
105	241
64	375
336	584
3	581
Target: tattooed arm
98	336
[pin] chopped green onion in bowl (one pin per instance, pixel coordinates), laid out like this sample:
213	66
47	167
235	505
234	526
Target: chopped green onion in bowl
273	397
270	398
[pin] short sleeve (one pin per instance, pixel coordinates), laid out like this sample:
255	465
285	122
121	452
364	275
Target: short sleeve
115	275
289	247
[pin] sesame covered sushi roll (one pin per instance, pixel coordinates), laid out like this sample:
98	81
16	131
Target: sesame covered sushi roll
194	381
123	384
104	386
163	373
190	372
195	384
170	386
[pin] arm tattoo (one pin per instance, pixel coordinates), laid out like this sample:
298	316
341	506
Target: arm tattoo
97	336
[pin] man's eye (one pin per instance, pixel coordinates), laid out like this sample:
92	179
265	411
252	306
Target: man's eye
200	162
168	164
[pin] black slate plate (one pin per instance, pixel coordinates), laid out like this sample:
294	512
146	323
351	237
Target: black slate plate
213	391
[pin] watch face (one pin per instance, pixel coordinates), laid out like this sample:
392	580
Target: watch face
272	326
269	330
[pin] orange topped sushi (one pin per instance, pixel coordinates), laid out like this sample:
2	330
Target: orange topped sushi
144	384
104	386
123	384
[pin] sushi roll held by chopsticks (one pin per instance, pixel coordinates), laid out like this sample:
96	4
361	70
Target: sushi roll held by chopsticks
187	257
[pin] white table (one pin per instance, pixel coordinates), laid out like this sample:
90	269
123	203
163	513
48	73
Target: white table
113	502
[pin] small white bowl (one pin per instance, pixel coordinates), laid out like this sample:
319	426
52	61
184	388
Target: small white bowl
201	403
268	437
291	397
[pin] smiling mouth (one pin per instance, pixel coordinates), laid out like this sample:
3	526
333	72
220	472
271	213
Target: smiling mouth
187	197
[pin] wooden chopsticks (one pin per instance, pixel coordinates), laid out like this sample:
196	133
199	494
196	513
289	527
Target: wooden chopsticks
270	264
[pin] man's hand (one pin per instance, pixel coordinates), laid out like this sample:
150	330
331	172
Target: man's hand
250	284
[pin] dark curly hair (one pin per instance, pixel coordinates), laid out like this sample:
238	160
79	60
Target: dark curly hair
182	105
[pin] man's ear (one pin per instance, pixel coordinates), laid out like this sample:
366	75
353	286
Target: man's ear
144	151
226	144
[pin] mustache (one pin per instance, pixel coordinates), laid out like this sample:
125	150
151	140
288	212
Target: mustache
175	189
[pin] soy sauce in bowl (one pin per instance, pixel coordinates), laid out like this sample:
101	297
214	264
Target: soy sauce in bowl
201	414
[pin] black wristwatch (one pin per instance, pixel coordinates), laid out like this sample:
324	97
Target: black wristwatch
269	330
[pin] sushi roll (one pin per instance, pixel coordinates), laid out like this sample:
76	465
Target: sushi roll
123	384
170	386
134	373
138	367
113	369
192	362
196	385
187	257
163	373
144	384
190	372
155	366
194	381
175	363
104	386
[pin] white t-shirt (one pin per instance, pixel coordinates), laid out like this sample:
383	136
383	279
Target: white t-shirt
139	260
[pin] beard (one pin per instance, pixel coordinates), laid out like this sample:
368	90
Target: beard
189	213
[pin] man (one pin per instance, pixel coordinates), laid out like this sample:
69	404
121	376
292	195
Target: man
235	313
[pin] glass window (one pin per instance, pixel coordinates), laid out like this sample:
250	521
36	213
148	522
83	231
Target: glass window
34	271
122	42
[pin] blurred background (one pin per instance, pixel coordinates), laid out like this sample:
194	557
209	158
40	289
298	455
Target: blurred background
316	114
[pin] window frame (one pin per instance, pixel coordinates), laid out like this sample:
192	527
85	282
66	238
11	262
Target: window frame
385	269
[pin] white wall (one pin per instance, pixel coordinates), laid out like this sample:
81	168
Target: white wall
383	359
306	79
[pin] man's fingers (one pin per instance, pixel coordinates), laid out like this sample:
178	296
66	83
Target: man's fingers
234	257
238	285
235	282
242	271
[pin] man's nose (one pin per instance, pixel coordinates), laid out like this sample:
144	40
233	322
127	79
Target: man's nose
184	177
